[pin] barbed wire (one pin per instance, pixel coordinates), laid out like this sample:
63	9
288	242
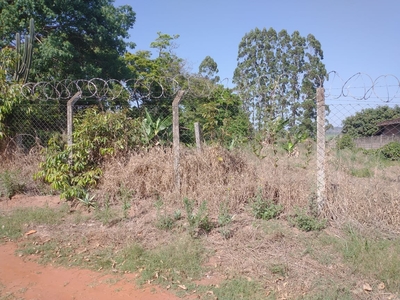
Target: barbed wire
359	86
362	86
113	89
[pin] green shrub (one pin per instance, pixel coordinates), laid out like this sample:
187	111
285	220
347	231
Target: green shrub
307	222
265	209
197	221
391	151
97	135
345	141
165	221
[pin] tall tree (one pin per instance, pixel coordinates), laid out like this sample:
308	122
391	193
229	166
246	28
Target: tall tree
155	78
209	69
277	75
74	39
164	43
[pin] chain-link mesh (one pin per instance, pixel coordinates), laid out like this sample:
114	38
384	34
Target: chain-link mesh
33	124
362	135
357	120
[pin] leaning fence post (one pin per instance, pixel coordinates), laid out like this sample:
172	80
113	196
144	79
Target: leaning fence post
70	105
175	132
321	184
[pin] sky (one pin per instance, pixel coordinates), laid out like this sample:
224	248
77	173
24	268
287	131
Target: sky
356	35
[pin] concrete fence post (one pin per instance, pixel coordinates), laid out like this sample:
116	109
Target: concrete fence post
70	105
321	180
175	132
197	133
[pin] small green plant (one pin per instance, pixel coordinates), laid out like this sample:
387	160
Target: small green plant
279	269
88	201
265	209
126	198
165	221
9	184
177	215
224	220
151	130
197	221
292	140
345	141
105	213
308	222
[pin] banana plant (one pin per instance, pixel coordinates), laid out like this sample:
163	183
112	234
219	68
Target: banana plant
151	129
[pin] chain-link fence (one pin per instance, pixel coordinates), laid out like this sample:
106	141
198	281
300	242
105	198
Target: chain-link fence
33	124
356	120
357	175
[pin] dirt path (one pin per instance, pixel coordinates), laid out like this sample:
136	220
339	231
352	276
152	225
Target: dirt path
24	279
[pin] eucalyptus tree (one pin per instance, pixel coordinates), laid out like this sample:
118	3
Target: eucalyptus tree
277	75
74	39
208	68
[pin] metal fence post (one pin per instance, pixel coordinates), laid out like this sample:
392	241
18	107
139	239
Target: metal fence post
321	180
175	132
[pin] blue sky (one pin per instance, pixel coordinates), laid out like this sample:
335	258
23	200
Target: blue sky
356	35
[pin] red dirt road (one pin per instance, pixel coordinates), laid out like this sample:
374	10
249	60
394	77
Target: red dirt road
24	279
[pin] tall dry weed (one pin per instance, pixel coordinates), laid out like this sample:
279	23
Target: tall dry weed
23	165
216	175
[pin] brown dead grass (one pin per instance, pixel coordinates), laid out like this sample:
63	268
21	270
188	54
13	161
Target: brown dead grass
216	175
276	255
233	178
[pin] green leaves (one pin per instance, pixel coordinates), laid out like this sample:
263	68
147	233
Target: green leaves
10	91
209	69
77	39
151	130
277	74
364	123
97	135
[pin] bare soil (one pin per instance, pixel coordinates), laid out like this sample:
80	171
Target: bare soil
24	278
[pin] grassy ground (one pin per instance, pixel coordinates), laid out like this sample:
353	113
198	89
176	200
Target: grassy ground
239	228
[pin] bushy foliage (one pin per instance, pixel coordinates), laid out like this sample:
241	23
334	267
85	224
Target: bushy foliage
391	151
220	115
308	222
345	142
97	135
77	39
265	209
364	123
197	221
10	91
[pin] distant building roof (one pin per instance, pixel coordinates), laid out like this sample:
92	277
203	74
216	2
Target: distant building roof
389	122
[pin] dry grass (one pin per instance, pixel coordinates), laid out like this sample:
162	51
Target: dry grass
233	178
24	165
215	176
288	262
